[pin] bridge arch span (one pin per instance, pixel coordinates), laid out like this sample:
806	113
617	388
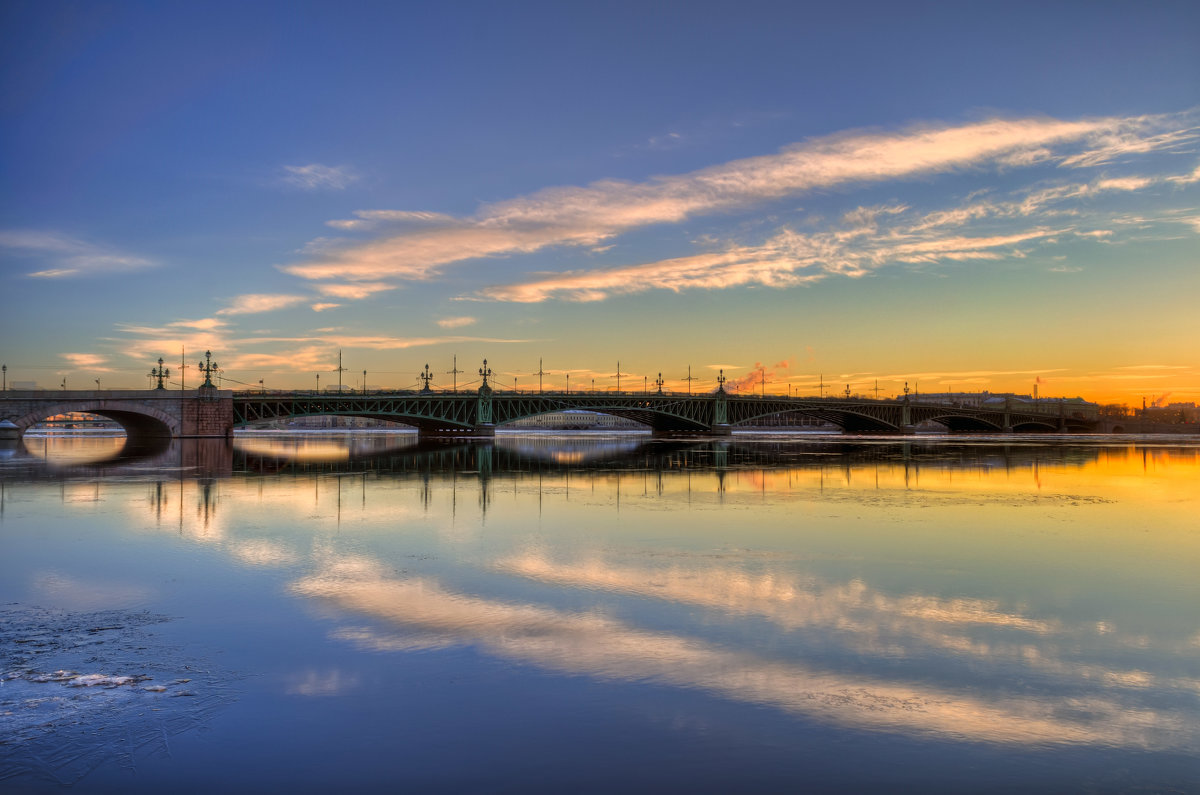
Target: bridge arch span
139	421
1035	426
961	423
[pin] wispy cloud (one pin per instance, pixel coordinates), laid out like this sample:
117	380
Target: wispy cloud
58	255
88	361
315	176
456	322
321	307
150	342
354	292
259	302
587	216
787	259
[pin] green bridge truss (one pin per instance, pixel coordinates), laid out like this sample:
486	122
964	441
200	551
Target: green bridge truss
476	413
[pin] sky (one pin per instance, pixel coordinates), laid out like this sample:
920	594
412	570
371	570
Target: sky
803	197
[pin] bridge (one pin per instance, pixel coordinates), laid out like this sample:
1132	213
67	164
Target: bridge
209	412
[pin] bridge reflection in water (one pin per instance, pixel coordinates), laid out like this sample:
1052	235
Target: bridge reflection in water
403	455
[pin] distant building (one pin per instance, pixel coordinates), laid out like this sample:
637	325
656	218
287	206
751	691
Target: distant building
1075	407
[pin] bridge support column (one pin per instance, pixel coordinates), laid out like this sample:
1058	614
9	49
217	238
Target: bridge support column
720	429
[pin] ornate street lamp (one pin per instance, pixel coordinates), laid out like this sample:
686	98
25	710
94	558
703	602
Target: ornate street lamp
485	372
208	367
160	373
720	380
426	377
658	382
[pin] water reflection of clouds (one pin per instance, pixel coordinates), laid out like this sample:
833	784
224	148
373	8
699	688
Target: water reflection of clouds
71	593
314	683
597	645
263	552
866	620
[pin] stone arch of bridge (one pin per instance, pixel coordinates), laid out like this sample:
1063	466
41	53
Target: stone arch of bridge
140	423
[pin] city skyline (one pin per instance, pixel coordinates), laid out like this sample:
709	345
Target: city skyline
957	198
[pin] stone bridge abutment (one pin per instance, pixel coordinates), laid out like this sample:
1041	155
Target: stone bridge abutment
143	414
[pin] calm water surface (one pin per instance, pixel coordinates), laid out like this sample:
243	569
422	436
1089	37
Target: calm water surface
587	612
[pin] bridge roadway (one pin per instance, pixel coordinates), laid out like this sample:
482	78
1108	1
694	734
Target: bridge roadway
211	412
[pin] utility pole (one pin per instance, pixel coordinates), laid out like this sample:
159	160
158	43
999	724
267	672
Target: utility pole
821	387
540	373
877	389
568	383
764	382
455	372
689	379
618	377
340	370
364	382
4	367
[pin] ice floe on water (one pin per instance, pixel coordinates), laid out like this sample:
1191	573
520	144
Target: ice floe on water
80	689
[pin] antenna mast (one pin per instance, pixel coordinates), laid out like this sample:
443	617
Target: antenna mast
455	372
689	379
340	370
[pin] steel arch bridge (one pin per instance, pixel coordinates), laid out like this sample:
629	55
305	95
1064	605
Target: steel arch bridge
479	413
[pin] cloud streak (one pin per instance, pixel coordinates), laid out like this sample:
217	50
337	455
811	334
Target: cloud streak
260	302
589	215
63	256
315	176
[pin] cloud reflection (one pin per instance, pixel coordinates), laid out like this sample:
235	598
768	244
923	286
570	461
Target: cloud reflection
594	644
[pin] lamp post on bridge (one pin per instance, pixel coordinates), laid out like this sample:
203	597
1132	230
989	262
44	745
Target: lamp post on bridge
426	378
208	367
659	383
720	380
4	369
485	372
162	372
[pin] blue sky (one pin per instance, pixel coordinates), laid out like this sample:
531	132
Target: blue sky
968	196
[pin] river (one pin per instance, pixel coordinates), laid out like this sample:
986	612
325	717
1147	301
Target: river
593	612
